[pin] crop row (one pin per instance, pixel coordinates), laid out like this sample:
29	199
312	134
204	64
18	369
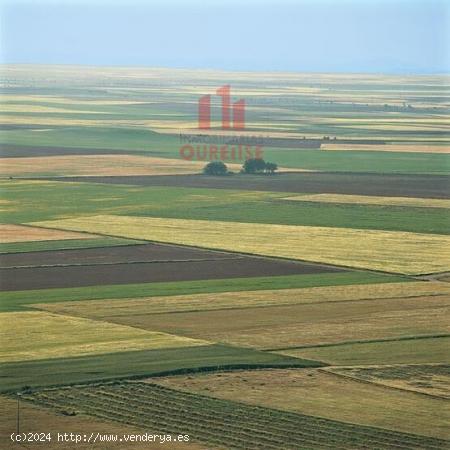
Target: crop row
275	421
222	422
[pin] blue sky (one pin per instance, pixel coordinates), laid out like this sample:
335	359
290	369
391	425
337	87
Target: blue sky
395	36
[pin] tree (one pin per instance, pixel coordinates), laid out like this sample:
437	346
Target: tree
271	168
254	165
215	168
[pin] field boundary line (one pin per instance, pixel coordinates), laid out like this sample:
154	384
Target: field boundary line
302	364
123	262
379	384
369	341
271	305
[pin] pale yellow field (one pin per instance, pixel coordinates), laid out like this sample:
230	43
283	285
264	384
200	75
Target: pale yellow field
318	393
66	100
372	200
388	127
413	148
389	251
21	233
245	299
409	351
98	165
40	335
5	107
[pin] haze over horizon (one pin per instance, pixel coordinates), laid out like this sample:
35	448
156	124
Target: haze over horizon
397	37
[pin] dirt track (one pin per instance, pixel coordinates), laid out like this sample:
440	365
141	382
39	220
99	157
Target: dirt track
425	186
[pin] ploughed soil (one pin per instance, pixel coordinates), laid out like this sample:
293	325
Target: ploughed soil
112	255
97	268
390	185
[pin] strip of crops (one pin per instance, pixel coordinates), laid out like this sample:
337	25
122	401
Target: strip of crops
220	422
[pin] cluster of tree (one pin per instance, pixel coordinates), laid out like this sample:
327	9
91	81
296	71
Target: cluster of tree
259	166
251	166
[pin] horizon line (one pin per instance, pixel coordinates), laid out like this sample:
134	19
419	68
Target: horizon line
215	69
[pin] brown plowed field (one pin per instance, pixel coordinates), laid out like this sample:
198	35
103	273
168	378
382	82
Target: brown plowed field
111	255
202	265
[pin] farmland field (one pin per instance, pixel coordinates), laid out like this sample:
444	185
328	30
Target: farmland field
19	233
64	244
373	200
281	327
44	200
300	310
113	255
322	394
245	299
53	422
137	264
90	164
411	185
220	422
18	300
40	373
384	351
50	340
432	379
406	253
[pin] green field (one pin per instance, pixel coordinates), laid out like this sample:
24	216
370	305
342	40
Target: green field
36	201
13	301
66	244
100	309
138	364
146	142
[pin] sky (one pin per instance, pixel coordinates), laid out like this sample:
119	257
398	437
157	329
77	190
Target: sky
366	36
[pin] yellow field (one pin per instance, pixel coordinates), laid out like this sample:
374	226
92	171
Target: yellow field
105	165
311	391
98	165
40	335
19	233
372	200
389	251
413	148
245	299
